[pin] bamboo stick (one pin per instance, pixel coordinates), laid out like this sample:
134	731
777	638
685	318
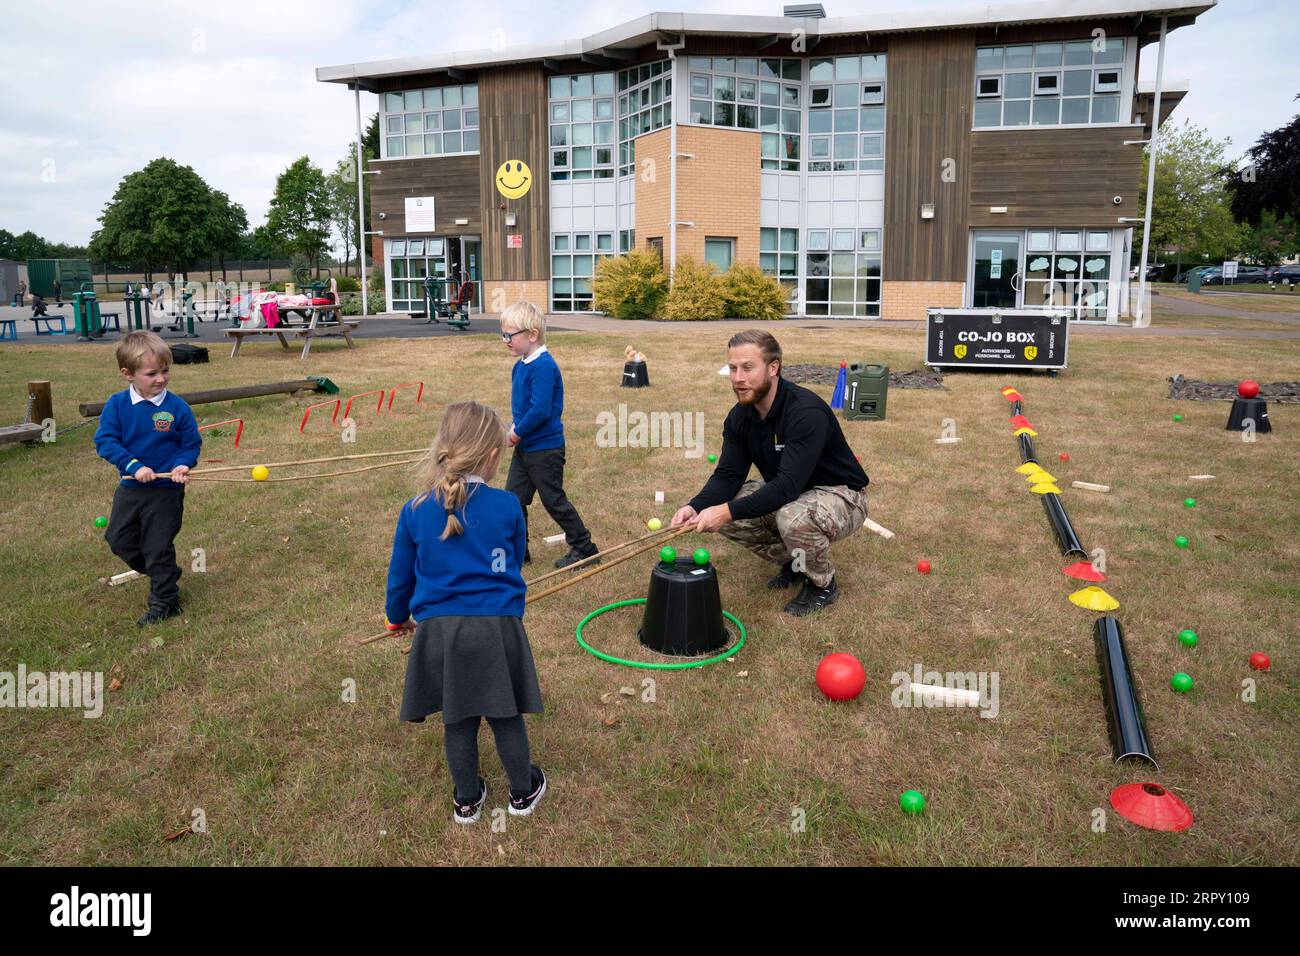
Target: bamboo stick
598	554
328	474
305	461
604	567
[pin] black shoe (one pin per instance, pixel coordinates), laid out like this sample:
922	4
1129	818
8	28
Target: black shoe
157	614
812	598
522	806
468	812
786	578
574	556
528	556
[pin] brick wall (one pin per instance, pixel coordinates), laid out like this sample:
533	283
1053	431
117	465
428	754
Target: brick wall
909	300
498	295
717	190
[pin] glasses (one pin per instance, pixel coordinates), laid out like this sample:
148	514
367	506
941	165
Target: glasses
507	336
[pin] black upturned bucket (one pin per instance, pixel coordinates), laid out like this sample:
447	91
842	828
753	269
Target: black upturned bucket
1249	409
635	375
683	610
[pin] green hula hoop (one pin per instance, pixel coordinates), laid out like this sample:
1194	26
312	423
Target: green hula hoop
650	665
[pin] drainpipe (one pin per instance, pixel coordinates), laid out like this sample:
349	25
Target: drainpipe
1141	319
361	208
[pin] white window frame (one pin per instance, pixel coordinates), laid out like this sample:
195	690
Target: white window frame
996	94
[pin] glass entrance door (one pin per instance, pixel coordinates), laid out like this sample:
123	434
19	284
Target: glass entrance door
995	274
471	265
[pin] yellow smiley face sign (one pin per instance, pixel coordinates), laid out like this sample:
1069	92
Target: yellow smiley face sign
514	179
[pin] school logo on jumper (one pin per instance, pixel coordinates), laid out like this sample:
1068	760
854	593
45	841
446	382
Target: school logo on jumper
1031	352
959	351
162	421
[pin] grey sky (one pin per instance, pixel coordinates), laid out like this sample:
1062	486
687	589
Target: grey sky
90	93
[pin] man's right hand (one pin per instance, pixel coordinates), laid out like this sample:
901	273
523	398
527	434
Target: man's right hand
684	514
144	473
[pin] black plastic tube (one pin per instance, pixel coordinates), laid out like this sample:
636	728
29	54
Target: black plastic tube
1128	730
1070	543
1027	450
1017	408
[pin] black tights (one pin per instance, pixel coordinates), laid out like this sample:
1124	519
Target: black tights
512	747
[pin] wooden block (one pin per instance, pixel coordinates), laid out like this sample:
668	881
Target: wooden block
946	441
659	497
554	538
878	529
1199	477
1089	486
955	696
123	578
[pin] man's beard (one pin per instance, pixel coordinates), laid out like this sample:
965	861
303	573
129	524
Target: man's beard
757	393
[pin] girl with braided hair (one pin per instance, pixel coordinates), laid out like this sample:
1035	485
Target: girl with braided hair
454	576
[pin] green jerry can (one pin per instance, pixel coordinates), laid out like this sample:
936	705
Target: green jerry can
866	389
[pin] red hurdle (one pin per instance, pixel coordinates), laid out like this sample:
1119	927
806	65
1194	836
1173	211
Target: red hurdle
333	419
239	431
419	395
381	392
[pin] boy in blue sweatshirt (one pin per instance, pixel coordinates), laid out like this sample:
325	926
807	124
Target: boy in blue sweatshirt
145	431
537	404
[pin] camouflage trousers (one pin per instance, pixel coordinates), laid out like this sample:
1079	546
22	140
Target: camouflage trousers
805	526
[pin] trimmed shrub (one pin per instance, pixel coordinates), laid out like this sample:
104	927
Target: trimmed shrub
749	293
696	292
631	286
348	283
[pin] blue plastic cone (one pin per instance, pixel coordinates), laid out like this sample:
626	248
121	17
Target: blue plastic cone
841	380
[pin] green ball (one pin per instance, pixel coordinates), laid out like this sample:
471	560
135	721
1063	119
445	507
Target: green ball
1189	502
668	554
912	801
1181	541
101	522
1178	418
1181	682
712	459
701	557
1188	637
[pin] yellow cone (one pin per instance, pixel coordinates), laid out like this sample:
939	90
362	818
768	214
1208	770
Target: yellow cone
1094	599
1029	468
1025	431
1045	488
1010	388
1038	477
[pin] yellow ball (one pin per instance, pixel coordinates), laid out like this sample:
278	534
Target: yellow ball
654	524
260	472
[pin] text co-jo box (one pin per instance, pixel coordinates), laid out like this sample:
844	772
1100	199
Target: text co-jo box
992	338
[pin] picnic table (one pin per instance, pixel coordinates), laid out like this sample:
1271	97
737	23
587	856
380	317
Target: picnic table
315	321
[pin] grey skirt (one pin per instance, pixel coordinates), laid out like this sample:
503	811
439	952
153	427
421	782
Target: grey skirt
470	667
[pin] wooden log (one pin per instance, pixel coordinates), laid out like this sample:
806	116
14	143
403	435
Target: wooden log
89	409
15	433
42	401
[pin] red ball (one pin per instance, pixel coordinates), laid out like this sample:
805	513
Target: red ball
1248	388
1259	661
840	676
923	566
1065	456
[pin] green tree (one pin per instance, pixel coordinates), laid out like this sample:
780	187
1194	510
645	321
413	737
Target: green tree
343	204
229	222
299	217
1190	212
1270	182
1271	240
159	216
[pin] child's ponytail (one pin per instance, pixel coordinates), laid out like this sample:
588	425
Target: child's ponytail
467	438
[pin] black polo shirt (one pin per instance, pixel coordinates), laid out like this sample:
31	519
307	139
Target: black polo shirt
797	447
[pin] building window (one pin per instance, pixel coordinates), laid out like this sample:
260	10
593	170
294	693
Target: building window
846	113
573	267
657	244
626	240
436	122
778	256
1049	84
751	93
582	126
719	252
645	104
410	262
1060	274
846	280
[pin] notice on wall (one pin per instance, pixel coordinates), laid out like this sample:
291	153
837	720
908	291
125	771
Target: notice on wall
419	214
514	240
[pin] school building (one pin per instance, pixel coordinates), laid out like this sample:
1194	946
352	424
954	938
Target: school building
877	165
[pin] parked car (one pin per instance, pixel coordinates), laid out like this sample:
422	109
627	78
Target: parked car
1244	274
1289	275
1182	277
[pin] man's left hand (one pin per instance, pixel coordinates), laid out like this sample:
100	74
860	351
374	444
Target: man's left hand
711	519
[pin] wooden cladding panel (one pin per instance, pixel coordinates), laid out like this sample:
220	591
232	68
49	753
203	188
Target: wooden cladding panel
453	181
513	126
1054	177
930	89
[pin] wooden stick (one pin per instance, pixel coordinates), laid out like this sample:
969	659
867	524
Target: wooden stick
305	461
328	474
1089	486
598	554
603	567
878	529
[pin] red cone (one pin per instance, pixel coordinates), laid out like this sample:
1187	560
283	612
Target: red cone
1020	421
1152	806
1084	571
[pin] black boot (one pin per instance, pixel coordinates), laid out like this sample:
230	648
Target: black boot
812	598
575	555
786	577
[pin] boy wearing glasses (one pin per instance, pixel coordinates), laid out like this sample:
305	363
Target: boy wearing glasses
537	433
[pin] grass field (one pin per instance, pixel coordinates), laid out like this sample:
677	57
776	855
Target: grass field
236	708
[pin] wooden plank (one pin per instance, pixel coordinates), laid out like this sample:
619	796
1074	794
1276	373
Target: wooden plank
16	433
225	394
513	112
453	182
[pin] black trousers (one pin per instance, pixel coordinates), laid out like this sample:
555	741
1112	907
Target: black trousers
542	472
142	532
